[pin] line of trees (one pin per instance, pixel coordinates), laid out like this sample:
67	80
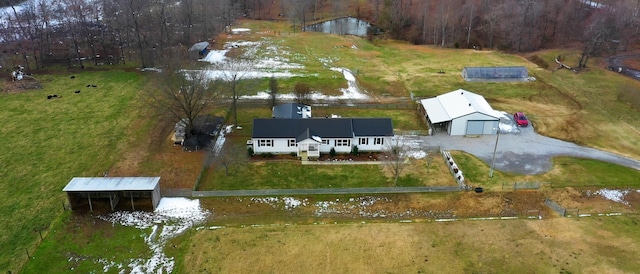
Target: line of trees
42	32
515	25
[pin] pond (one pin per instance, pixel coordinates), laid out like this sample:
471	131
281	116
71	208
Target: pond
342	26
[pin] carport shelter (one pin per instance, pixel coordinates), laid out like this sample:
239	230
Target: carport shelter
459	112
112	188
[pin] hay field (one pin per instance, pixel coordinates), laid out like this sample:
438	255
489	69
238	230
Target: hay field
561	245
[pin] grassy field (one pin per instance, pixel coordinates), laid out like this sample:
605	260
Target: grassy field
588	245
77	243
47	142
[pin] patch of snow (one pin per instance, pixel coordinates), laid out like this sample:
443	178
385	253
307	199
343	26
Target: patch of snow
352	91
416	154
286	203
506	125
221	139
151	69
240	30
215	56
613	195
172	217
354	46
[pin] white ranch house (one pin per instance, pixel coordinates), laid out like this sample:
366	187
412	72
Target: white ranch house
312	136
460	112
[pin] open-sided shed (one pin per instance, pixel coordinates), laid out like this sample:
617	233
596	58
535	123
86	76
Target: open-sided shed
499	74
81	189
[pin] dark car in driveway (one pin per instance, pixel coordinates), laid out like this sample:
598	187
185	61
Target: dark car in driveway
521	119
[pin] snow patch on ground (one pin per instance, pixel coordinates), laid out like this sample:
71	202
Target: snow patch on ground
361	206
507	125
221	139
240	30
281	202
273	61
615	195
416	154
172	217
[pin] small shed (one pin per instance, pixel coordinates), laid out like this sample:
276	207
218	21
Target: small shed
495	74
201	48
83	191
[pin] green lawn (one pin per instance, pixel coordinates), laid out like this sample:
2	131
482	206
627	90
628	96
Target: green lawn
47	142
292	174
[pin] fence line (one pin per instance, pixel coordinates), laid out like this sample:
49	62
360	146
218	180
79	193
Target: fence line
177	192
454	169
555	207
521	185
324	191
401	104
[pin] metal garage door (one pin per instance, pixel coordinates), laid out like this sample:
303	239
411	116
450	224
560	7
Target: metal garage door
475	127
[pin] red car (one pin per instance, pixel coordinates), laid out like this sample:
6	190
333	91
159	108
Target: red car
520	119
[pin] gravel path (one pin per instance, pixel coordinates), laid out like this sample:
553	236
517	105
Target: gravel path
616	64
523	153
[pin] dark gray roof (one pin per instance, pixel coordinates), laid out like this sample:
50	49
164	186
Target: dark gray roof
289	110
199	46
372	127
111	183
322	127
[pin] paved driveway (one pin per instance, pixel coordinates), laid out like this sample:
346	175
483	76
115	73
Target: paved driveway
523	153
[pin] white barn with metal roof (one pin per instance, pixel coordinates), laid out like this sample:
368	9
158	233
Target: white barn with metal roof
113	189
460	112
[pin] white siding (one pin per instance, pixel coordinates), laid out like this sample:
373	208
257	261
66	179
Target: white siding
459	125
280	146
371	146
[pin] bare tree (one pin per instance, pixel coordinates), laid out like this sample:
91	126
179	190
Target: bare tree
395	157
302	92
597	37
231	154
232	71
471	8
273	90
183	95
136	10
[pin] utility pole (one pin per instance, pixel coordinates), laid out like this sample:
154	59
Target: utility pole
493	161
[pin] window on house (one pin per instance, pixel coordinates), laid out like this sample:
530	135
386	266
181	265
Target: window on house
363	141
265	143
292	142
325	141
343	142
378	141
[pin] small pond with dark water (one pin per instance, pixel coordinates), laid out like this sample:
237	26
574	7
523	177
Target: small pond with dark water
341	26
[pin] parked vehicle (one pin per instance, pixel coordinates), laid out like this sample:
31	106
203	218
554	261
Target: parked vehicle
521	119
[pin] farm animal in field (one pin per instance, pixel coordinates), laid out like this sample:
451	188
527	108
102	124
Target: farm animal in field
16	75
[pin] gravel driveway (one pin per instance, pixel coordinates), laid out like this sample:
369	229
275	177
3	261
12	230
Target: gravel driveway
525	152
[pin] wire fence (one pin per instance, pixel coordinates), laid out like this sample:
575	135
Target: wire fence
521	185
555	207
399	104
